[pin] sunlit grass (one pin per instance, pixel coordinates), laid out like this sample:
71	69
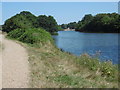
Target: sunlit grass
52	68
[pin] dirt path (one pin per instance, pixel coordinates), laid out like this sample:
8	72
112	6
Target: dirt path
0	61
15	67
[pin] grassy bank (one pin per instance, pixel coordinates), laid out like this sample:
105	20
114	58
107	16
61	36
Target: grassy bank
52	68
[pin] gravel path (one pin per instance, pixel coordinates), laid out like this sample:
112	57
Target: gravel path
15	69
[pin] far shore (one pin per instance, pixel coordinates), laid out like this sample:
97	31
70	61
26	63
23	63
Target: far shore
69	29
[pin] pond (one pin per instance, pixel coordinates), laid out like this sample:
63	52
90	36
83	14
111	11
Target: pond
101	45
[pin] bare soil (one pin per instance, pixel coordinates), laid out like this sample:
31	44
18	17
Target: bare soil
15	67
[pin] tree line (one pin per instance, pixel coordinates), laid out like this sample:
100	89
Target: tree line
25	20
71	25
103	23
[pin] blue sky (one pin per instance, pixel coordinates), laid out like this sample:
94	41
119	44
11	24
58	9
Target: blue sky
63	12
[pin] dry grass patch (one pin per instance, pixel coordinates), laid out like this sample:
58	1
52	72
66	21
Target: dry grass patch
51	68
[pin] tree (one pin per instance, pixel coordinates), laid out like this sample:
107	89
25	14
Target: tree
107	23
72	25
48	23
85	20
64	26
23	20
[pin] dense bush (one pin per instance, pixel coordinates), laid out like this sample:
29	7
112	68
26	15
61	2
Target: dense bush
16	33
48	23
31	36
23	20
26	20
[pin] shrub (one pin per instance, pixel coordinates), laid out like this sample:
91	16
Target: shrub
16	33
23	20
31	36
107	69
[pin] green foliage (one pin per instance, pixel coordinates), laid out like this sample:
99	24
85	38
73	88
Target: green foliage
23	20
60	28
16	33
105	23
64	78
107	69
26	20
77	26
86	19
64	26
99	23
71	25
91	63
31	36
48	23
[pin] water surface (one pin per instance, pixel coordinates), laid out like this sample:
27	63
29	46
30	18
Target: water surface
101	45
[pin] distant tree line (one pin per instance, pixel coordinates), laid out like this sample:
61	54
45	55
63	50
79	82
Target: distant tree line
71	25
103	23
26	20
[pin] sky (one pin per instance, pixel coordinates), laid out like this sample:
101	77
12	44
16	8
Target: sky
63	12
60	0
